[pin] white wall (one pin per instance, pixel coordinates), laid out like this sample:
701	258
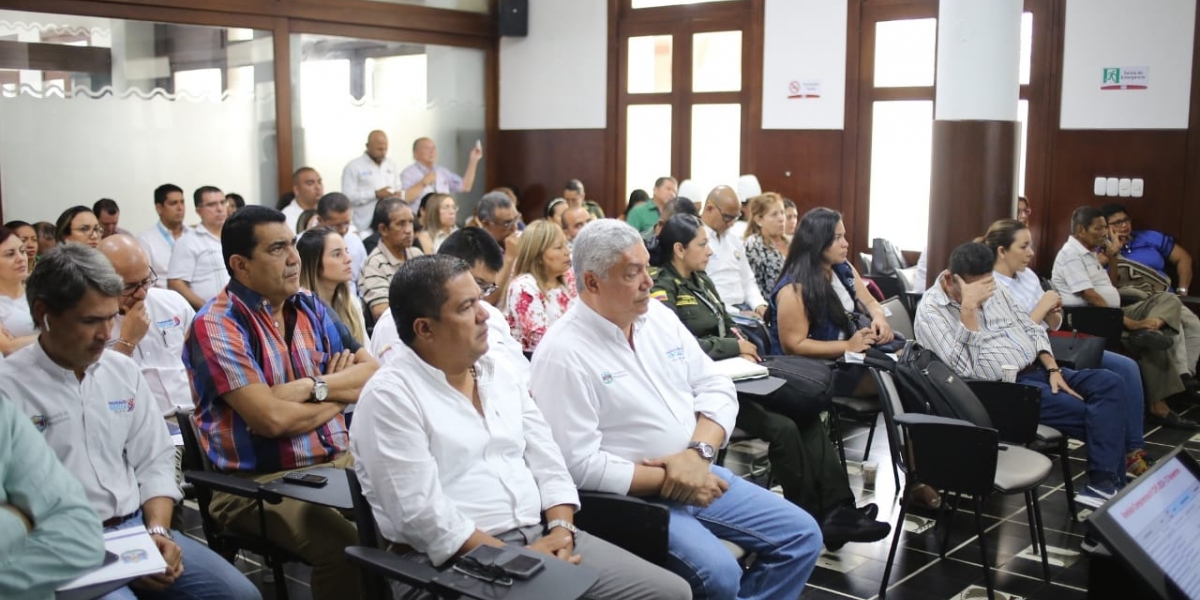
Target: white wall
1122	33
557	77
804	41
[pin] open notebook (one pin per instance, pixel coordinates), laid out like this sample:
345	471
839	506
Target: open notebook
738	368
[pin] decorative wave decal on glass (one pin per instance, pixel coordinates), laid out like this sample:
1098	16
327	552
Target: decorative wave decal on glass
50	90
54	29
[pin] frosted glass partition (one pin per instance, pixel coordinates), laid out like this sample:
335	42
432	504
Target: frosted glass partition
901	163
139	104
346	87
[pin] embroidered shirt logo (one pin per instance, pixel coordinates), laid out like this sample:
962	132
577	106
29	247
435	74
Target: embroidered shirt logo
169	323
124	405
40	422
607	377
675	354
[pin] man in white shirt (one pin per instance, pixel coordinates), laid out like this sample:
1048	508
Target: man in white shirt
479	249
1152	325
99	417
424	176
637	408
370	178
307	189
159	240
151	325
197	270
729	268
333	211
452	453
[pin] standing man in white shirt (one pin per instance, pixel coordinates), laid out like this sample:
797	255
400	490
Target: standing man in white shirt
159	240
370	178
729	268
333	211
150	326
197	270
479	465
307	188
637	408
424	176
99	417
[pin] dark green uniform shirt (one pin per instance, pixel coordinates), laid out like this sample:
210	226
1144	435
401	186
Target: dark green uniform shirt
699	307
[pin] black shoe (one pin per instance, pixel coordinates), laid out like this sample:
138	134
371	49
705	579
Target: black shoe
844	524
1148	339
870	510
1172	421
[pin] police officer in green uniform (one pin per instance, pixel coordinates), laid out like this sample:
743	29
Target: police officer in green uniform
802	458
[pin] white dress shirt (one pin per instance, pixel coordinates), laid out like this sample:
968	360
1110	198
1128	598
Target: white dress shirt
1078	269
360	178
499	338
197	260
730	271
434	470
611	405
358	256
292	213
106	429
15	316
158	243
160	352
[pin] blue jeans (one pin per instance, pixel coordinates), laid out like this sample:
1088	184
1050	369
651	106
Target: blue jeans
1135	397
205	574
785	539
1099	419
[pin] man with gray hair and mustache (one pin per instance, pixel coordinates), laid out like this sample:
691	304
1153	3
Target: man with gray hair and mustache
638	408
497	216
97	413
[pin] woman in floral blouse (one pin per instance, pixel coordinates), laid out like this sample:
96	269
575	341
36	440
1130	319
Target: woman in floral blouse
766	240
543	285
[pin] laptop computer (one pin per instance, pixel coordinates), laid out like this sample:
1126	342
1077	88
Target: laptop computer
1153	525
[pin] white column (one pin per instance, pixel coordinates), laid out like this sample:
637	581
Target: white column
978	60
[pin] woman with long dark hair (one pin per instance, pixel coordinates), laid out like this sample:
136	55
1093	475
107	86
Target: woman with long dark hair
802	458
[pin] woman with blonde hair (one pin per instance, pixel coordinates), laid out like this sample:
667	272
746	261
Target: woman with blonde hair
543	285
767	240
438	221
325	271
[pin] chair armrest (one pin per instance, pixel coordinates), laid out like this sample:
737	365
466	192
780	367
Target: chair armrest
911	419
1014	408
630	523
393	566
229	484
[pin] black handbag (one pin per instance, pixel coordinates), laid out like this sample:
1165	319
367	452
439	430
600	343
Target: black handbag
1076	350
862	320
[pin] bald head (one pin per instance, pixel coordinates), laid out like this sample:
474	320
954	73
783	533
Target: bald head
721	208
425	151
130	262
377	145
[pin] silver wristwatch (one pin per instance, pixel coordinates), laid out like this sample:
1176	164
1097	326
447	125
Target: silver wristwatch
320	390
706	450
565	525
160	531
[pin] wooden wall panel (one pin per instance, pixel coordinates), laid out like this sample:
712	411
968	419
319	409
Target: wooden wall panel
805	166
538	163
1157	156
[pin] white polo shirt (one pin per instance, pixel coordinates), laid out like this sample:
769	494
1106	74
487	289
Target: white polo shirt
611	405
729	268
15	316
434	470
500	338
1078	269
197	260
160	352
106	429
158	243
360	178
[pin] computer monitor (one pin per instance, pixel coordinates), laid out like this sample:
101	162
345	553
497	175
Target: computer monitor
1153	525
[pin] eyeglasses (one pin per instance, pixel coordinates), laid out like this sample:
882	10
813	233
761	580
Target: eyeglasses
89	231
509	224
145	284
1118	222
486	289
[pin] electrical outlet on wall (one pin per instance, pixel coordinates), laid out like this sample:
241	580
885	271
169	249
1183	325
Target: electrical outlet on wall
1099	186
1137	187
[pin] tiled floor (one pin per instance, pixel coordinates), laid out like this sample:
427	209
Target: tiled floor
919	573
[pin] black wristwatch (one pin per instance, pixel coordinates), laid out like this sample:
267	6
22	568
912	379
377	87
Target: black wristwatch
706	450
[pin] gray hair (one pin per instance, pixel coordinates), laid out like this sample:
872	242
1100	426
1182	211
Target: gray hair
65	273
490	203
599	246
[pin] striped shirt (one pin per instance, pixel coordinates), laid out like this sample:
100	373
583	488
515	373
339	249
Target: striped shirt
234	343
1006	335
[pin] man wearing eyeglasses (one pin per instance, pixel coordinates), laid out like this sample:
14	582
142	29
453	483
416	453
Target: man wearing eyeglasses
151	325
197	270
729	268
498	216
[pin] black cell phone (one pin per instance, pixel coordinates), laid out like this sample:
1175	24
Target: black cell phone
522	566
308	479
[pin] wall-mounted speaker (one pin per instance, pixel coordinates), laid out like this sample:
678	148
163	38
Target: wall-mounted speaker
514	18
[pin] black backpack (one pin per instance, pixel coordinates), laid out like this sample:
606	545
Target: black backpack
928	385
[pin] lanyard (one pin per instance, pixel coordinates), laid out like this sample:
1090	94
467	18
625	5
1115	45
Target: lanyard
166	234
